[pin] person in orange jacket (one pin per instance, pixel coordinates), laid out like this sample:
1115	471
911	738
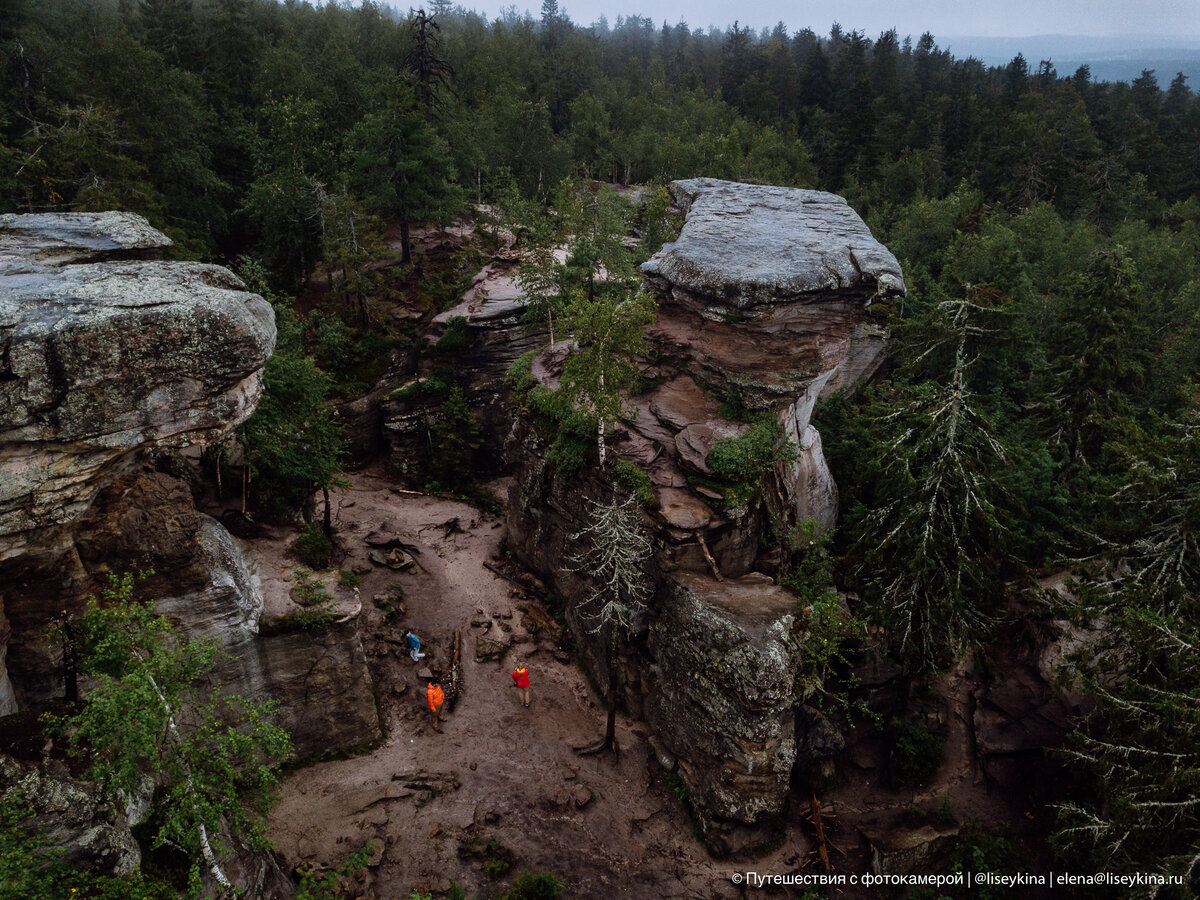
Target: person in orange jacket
435	698
520	677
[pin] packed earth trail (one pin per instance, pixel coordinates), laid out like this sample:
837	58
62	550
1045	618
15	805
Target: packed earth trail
500	784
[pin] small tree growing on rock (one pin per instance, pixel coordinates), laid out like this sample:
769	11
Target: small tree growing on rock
213	758
613	555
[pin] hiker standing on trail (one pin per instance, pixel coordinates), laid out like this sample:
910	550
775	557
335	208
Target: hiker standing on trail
414	646
520	677
435	698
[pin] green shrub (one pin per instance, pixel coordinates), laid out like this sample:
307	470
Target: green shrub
918	752
536	885
747	458
456	338
495	857
631	477
327	885
807	565
312	547
32	869
520	377
436	385
454	438
348	579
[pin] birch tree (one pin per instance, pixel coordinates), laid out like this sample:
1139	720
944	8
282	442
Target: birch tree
614	550
608	335
213	758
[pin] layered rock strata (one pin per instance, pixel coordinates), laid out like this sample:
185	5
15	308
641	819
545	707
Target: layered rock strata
109	363
763	300
763	307
493	335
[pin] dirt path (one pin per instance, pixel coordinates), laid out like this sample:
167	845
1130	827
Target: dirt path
498	771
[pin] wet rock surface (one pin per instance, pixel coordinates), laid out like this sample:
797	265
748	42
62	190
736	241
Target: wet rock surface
110	361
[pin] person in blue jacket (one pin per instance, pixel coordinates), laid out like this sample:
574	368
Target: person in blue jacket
414	646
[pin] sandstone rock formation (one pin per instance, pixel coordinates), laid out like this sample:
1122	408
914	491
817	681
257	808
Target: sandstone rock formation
493	309
109	363
763	299
71	817
763	306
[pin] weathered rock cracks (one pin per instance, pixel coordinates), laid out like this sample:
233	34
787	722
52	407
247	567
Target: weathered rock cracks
763	307
111	361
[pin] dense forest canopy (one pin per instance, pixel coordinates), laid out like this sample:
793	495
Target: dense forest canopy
233	123
1041	402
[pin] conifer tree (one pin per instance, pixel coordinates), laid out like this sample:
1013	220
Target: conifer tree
927	545
615	549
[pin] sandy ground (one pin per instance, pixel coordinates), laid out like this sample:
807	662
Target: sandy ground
500	772
497	771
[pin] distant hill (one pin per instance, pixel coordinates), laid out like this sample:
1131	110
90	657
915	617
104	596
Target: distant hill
1110	58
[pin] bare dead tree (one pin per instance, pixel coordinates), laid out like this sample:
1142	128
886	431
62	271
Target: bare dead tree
614	548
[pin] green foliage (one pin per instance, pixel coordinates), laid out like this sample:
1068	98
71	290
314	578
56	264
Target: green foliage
328	885
456	338
918	752
572	432
978	851
536	885
1136	758
631	477
806	567
454	438
807	571
925	561
293	442
495	858
520	378
744	462
32	869
214	757
348	579
747	458
312	547
438	384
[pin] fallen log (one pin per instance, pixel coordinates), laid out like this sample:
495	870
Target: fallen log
454	687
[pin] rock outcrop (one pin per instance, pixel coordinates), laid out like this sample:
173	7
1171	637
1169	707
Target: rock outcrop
763	300
110	362
763	307
71	818
101	360
491	336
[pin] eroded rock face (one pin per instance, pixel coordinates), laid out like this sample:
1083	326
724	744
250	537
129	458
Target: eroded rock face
72	818
102	359
726	657
105	357
109	361
764	298
496	335
763	307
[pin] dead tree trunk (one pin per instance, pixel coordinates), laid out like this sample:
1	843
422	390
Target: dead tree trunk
454	686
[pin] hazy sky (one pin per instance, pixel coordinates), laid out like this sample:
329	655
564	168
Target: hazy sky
945	18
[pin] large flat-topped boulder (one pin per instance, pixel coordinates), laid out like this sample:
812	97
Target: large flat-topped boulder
749	244
106	357
764	299
102	359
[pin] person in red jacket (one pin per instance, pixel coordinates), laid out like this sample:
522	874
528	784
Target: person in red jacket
520	678
435	697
